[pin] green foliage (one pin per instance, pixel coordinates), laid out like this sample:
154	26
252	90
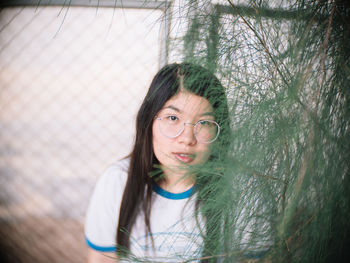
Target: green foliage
284	195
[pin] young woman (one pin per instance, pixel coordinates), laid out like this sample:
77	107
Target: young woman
148	205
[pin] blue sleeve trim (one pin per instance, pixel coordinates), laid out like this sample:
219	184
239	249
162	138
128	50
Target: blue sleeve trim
99	248
169	195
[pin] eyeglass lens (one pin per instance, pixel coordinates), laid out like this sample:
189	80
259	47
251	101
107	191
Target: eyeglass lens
205	131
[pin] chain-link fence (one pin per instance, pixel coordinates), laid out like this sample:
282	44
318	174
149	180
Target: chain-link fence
73	74
72	78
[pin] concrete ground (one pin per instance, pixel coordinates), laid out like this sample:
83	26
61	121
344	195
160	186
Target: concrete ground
42	240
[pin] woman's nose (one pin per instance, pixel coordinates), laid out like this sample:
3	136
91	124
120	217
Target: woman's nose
187	136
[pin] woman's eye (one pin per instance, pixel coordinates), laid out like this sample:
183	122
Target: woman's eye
172	118
204	122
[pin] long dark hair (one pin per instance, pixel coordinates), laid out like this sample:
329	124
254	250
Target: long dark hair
139	186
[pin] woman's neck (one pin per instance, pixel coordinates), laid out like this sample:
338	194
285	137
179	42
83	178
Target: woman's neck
176	182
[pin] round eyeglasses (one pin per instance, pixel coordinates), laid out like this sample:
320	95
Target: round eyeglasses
205	131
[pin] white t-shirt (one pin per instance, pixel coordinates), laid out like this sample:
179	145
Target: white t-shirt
174	228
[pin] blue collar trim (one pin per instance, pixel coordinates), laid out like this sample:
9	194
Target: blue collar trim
99	248
178	196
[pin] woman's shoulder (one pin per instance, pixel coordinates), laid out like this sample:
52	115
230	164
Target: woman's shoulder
115	175
120	167
102	214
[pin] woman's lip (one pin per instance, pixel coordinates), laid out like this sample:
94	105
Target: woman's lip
185	157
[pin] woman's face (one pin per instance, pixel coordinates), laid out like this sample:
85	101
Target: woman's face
183	150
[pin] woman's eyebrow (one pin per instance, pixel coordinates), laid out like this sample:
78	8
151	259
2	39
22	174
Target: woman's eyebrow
173	108
209	113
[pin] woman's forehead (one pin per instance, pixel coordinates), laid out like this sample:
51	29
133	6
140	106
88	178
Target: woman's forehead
189	103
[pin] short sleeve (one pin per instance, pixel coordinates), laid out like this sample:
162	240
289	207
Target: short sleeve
103	212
